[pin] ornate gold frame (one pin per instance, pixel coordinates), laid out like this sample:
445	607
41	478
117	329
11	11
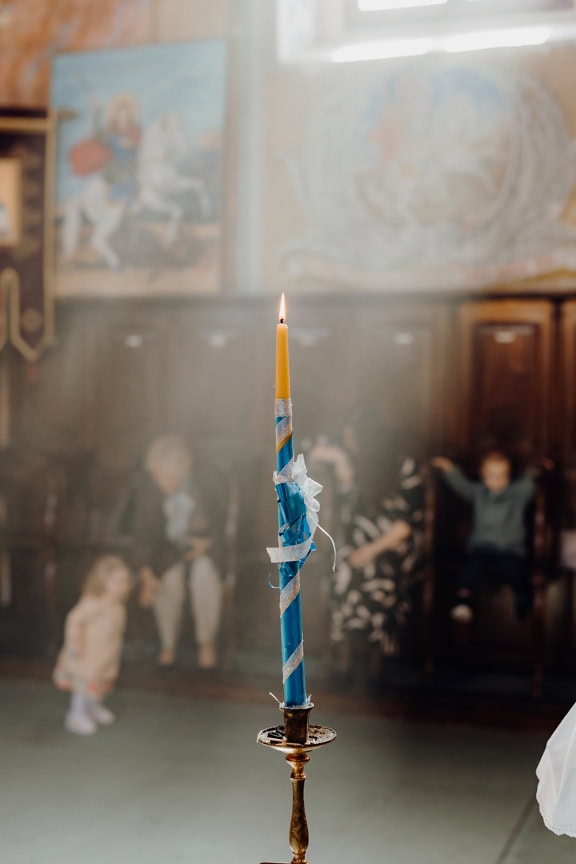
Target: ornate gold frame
26	266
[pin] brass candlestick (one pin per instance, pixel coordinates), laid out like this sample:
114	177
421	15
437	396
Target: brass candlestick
296	739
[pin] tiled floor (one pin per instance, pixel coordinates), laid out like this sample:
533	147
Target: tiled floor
180	779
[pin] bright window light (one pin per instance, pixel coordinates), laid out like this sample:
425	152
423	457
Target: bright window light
383	5
470	41
381	50
483	39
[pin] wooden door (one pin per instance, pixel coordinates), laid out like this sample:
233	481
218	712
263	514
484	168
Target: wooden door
505	375
505	371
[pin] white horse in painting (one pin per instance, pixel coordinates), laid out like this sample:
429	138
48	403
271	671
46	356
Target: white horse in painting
162	153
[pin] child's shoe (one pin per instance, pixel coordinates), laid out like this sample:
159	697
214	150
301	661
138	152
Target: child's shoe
80	724
102	715
462	613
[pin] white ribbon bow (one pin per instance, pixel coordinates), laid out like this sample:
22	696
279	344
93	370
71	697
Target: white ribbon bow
295	472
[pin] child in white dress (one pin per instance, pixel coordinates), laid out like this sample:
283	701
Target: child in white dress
556	772
89	661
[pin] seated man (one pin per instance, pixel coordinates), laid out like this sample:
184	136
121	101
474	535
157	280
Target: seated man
174	520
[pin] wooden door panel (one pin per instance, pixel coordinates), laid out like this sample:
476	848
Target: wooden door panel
219	372
504	375
129	392
568	380
51	403
505	370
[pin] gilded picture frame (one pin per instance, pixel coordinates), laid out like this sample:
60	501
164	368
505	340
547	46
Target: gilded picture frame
10	201
139	207
26	240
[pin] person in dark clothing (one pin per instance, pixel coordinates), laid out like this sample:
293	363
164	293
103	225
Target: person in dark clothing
497	545
381	511
173	523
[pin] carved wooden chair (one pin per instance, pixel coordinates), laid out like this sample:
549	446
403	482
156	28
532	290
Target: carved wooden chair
448	521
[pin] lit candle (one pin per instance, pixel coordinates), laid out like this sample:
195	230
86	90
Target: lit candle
282	357
291	519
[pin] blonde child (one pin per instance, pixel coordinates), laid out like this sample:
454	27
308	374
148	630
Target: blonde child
89	661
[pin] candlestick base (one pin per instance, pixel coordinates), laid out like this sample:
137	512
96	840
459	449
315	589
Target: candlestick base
296	739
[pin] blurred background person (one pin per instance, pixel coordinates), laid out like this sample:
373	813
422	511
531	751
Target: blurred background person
380	503
174	521
89	661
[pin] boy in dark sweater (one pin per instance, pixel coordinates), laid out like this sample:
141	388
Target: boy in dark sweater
497	552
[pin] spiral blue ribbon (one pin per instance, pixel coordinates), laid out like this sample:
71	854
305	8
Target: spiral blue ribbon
293	529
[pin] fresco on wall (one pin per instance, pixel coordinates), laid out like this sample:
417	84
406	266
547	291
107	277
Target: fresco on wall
32	33
138	173
432	178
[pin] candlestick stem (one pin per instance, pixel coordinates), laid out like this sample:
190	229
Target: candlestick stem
299	836
296	739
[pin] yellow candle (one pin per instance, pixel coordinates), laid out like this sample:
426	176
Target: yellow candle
282	361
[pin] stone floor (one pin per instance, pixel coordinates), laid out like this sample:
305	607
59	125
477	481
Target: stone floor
180	778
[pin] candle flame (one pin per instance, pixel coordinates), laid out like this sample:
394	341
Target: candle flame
282	311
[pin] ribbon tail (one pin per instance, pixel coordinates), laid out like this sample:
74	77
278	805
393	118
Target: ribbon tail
333	545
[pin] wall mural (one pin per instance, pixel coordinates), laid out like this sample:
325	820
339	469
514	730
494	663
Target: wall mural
138	169
32	33
433	178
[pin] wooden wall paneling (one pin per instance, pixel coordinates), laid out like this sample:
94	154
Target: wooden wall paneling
217	379
505	368
50	426
568	384
506	361
452	421
129	376
567	378
323	339
400	367
51	406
